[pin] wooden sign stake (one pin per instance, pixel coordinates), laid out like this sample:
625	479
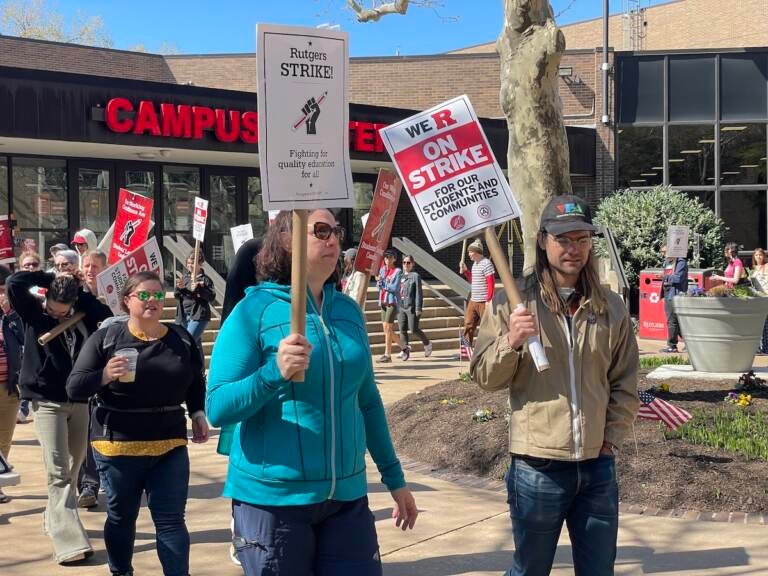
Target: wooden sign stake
194	265
300	218
510	288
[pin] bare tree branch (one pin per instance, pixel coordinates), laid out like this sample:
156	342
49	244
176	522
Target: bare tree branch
373	14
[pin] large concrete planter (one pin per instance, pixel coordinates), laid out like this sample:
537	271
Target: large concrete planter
721	334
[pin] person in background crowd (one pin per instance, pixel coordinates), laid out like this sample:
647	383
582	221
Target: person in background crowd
674	282
195	296
92	263
565	423
53	250
411	302
61	423
139	429
759	276
734	272
388	282
28	262
481	277
242	275
348	266
84	241
65	262
299	508
11	345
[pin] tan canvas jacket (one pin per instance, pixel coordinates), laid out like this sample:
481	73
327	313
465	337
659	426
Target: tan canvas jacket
588	395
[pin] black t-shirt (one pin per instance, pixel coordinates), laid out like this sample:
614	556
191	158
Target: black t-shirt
169	372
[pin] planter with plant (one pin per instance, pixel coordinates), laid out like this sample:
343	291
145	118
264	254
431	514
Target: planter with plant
722	326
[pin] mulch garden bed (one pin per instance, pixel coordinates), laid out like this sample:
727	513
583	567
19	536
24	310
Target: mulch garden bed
436	427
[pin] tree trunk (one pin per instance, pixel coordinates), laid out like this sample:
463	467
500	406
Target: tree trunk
531	46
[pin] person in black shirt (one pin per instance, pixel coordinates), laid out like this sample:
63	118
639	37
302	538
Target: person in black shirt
138	429
61	422
195	297
242	275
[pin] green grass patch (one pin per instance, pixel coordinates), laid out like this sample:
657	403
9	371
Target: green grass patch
656	361
736	430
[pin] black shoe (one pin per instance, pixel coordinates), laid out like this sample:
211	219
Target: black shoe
669	350
406	353
88	498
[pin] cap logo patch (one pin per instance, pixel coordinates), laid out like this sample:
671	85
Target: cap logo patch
569	209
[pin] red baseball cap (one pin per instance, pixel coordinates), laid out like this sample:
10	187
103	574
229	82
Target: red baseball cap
78	239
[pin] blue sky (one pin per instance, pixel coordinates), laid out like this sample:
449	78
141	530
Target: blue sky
200	27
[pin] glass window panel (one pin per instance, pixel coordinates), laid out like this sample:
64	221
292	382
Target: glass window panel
641	85
141	182
641	156
744	213
692	155
40	193
40	241
691	88
742	154
257	216
363	199
93	195
4	208
705	197
223	215
744	86
180	186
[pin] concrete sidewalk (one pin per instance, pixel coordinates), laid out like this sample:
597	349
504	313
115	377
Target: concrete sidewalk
460	531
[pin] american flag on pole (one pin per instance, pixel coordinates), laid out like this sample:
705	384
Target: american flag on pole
465	348
652	408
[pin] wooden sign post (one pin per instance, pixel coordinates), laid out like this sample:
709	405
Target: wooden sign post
299	224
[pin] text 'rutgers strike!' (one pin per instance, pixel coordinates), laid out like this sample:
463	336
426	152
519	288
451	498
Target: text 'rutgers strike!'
307	68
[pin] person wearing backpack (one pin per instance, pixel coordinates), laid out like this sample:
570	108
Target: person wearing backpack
138	427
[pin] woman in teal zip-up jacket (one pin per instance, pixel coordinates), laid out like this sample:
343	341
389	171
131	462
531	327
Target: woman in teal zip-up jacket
297	459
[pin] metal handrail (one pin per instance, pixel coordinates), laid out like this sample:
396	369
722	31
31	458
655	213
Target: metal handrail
179	249
443	297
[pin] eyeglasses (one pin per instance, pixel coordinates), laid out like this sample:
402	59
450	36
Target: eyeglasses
63	266
323	231
407	263
565	243
146	295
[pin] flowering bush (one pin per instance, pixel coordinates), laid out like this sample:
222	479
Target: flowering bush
741	400
452	401
483	415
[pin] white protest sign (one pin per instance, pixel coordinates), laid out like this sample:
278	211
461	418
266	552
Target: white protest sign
200	216
303	118
677	241
447	166
110	282
240	235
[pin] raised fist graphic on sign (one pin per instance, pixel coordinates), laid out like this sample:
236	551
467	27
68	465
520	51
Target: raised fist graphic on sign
311	111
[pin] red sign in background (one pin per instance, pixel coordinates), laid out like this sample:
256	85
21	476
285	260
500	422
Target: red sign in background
375	237
134	212
6	241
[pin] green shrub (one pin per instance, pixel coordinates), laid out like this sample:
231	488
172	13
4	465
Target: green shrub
656	361
736	430
639	220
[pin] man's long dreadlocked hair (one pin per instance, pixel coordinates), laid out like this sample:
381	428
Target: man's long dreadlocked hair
589	281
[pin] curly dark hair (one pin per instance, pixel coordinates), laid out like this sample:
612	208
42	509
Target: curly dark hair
273	262
64	289
133	281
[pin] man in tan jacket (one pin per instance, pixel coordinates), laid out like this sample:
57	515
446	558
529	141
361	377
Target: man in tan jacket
566	423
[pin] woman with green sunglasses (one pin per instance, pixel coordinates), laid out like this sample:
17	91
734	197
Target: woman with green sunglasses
138	427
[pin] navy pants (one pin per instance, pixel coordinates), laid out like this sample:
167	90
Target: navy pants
542	494
327	539
165	479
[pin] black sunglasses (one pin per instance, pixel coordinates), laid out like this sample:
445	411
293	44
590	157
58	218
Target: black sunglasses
323	231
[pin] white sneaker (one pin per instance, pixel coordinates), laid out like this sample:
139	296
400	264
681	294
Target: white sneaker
428	350
233	555
21	418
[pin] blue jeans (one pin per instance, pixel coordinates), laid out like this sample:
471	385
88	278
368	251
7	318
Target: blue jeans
165	479
331	538
544	493
196	329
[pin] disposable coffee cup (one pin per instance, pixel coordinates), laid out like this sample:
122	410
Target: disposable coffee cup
132	355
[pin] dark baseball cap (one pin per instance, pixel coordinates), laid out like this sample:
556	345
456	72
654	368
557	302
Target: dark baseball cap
566	213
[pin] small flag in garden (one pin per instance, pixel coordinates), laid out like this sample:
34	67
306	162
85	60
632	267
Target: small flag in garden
652	408
465	348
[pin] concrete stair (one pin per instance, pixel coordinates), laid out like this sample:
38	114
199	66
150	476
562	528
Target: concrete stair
440	322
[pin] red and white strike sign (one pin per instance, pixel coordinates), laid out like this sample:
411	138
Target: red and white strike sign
134	212
200	216
110	282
